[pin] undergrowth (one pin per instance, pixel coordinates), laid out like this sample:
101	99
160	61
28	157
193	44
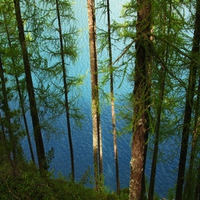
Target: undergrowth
27	184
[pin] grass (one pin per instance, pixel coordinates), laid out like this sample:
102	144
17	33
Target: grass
28	185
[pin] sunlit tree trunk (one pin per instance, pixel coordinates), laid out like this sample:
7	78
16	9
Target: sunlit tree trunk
97	144
188	105
65	91
29	83
141	99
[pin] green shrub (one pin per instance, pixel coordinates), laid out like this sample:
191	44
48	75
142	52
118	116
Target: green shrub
28	185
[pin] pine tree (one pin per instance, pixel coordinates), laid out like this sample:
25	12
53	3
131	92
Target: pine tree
65	90
141	98
12	142
16	73
188	105
31	92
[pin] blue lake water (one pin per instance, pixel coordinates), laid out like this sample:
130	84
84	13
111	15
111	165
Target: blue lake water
82	138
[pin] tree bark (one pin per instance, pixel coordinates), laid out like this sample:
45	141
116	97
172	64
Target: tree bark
32	101
65	91
163	72
188	105
157	134
114	130
8	125
141	99
190	177
97	143
197	188
6	156
19	92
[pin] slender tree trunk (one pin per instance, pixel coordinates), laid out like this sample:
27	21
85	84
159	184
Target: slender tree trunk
4	142
197	188
20	94
33	108
159	110
66	91
97	144
195	139
113	101
188	105
24	118
6	109
141	99
157	133
189	182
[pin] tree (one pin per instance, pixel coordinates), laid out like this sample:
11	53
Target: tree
30	90
65	89
164	28
16	73
97	140
189	104
195	142
12	142
197	188
112	97
106	42
141	95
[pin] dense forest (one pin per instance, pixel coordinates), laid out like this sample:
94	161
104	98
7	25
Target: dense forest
151	47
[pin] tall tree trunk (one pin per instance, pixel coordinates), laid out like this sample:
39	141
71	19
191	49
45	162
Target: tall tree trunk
97	144
188	104
141	98
189	182
166	25
65	91
197	188
157	133
29	83
4	142
8	125
113	101
19	92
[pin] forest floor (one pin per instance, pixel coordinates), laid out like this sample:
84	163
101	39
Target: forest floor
27	184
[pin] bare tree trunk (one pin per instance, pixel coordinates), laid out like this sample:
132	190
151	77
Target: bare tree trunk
189	182
66	91
197	188
6	150
141	99
20	94
6	110
159	110
29	83
97	144
157	133
113	101
188	105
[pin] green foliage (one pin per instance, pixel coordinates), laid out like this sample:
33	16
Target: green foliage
28	185
87	177
171	194
50	156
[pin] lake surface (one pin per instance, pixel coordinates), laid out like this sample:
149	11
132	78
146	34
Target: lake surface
82	138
